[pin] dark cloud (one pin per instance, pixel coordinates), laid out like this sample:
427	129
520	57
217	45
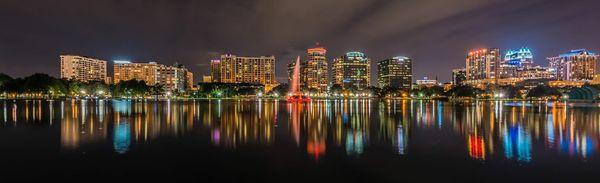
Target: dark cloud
436	33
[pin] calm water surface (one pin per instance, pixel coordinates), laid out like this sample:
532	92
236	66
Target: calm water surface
270	141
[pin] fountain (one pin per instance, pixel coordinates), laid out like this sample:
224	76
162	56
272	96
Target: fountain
295	94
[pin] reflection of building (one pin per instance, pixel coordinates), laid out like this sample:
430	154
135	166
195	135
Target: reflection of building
82	68
395	72
482	65
459	76
576	65
316	70
352	70
254	70
517	143
79	127
476	146
126	70
122	137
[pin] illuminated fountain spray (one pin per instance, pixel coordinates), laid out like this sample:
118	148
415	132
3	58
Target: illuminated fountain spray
295	93
295	86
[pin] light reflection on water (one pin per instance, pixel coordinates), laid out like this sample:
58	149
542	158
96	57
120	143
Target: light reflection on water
490	130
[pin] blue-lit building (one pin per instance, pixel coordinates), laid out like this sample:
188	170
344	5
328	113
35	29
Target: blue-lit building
352	70
514	61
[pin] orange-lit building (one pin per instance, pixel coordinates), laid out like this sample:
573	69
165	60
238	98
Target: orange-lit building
82	69
254	70
126	70
316	70
482	65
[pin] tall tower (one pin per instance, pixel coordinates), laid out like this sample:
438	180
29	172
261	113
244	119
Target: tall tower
352	70
395	72
215	70
316	70
482	65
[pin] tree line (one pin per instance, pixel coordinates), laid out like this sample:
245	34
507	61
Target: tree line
45	86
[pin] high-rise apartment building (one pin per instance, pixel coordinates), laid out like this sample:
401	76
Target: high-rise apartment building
482	65
255	70
352	70
576	65
126	70
82	69
316	69
395	72
175	78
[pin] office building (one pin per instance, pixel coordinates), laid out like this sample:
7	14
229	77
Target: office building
395	72
352	70
514	61
215	70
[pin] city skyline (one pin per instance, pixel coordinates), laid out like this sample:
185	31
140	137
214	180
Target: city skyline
192	35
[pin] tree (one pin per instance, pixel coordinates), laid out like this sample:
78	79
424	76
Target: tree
336	89
427	92
4	78
281	89
463	91
541	91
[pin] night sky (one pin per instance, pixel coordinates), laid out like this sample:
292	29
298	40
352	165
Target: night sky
435	33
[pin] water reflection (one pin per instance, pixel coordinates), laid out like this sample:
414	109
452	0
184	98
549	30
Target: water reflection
513	131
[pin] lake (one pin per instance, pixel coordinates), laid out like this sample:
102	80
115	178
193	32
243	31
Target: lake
275	141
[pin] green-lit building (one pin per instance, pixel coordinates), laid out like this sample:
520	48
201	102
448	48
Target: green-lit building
352	70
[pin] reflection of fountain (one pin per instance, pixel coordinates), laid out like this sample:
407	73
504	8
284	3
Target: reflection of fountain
295	94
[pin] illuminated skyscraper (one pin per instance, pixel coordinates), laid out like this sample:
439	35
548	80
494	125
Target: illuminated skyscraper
483	65
514	61
82	69
576	65
215	70
126	70
255	70
316	70
459	76
352	70
395	72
